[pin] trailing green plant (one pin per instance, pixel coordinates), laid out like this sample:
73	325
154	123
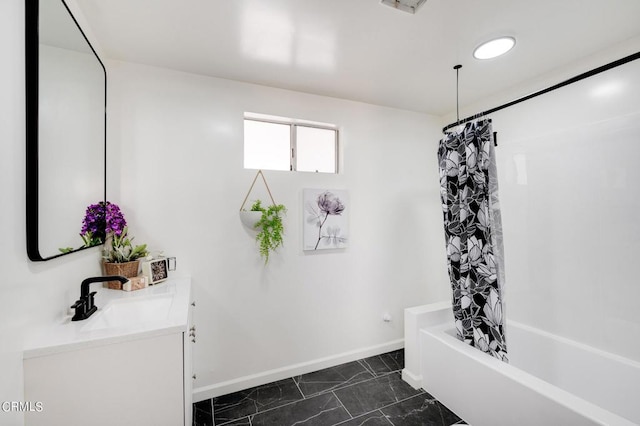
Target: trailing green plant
270	228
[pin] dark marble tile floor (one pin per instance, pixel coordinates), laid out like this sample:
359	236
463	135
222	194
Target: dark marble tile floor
367	392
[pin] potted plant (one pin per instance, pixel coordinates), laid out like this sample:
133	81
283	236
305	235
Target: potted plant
121	257
269	226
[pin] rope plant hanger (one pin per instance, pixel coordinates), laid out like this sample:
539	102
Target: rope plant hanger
251	188
267	221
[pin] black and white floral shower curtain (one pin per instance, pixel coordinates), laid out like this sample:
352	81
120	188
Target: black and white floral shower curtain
473	231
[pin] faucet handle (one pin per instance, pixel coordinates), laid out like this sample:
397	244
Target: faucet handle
78	304
81	309
90	301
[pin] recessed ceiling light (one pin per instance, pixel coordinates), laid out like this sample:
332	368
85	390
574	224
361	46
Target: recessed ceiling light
494	48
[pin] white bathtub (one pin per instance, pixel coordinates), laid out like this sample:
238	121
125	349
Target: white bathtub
549	380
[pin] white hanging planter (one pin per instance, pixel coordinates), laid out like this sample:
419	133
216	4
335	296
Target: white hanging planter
269	236
250	218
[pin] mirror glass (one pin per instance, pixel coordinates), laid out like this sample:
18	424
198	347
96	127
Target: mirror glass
66	102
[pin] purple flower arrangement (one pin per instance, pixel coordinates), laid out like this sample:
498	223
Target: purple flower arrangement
100	220
105	224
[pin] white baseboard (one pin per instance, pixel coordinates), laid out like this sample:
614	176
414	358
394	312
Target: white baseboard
217	389
415	380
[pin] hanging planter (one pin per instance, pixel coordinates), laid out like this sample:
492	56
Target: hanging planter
267	221
250	218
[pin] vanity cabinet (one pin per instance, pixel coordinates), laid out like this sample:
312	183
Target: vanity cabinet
115	378
137	382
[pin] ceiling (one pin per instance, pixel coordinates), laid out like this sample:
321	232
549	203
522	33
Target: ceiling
359	49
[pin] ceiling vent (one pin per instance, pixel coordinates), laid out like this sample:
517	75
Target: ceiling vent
409	6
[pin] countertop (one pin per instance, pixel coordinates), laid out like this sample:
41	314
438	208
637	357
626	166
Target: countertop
66	335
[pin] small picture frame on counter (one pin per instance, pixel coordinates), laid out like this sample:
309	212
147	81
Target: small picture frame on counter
171	261
155	270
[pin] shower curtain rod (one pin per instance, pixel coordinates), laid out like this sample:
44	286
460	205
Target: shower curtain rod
577	78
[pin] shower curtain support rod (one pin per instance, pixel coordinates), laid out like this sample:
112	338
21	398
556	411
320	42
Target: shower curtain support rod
457	68
572	80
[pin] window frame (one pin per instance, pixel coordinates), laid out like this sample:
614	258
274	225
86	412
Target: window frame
293	137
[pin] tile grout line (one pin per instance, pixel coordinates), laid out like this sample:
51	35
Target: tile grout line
279	406
226	422
244	398
365	381
365	365
341	404
299	389
342	385
385	406
394	403
258	411
364	414
386	418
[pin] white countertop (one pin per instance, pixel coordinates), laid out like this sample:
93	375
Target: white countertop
67	335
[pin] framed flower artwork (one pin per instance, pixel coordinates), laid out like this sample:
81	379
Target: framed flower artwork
325	222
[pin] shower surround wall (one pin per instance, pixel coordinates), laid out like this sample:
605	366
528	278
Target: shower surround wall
176	167
568	175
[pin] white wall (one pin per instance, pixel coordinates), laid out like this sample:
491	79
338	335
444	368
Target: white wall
568	174
30	293
176	168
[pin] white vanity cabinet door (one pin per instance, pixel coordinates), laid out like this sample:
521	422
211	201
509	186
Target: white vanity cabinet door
136	382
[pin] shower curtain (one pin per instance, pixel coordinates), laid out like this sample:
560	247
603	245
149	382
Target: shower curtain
473	233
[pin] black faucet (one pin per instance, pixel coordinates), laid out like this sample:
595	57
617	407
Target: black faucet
85	306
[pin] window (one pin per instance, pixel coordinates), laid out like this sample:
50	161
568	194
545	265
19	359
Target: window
266	145
274	143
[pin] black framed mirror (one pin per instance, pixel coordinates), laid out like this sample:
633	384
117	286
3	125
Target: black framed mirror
66	99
